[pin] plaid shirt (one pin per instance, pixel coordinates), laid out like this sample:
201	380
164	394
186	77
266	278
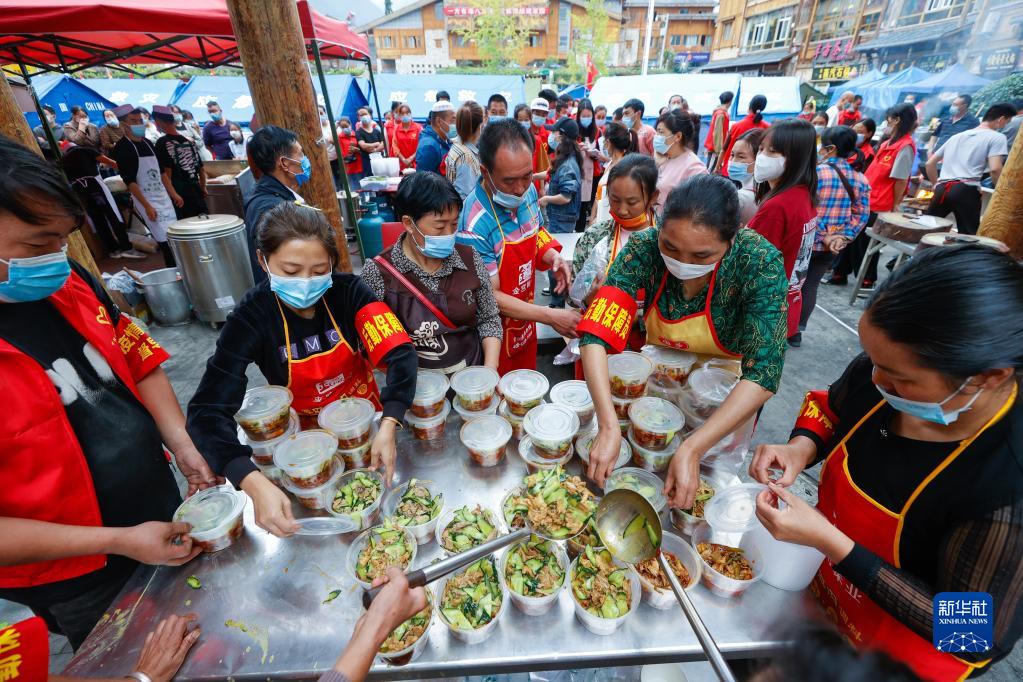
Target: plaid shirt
836	213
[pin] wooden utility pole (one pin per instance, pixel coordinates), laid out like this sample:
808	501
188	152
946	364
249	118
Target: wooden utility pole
272	49
14	126
1003	219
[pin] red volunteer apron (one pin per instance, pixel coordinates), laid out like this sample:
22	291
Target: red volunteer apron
882	186
878	529
322	378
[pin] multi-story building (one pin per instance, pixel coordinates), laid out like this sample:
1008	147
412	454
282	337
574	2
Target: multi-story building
995	45
927	34
828	33
755	37
681	37
429	34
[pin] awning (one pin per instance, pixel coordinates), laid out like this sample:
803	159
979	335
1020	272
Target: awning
910	36
72	35
753	59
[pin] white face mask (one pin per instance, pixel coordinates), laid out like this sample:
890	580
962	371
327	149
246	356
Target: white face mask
768	167
685	271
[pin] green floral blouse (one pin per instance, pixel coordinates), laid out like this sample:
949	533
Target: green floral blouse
593	234
748	306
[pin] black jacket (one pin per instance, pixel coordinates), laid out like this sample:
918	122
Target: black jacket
269	192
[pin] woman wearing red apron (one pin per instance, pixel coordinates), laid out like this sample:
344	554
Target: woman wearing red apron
318	332
439	290
718	292
921	492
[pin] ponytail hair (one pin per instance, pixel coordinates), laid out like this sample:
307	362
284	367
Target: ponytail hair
621	138
757	106
468	120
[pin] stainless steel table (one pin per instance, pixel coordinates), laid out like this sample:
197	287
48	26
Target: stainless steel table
876	243
262	612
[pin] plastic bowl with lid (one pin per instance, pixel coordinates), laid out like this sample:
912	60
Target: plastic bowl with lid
349	419
676	364
655	422
534	606
411	652
430	428
665	598
535	462
275	475
359	457
551	428
486	439
475	635
706	389
263	450
346	498
312	498
215	515
643	482
423	532
718	480
514	420
468	416
474	387
652	460
523	389
584	442
514	518
732	511
624	425
575	395
486	520
265	412
628	372
606	626
363	539
719	583
307	457
622	406
431	389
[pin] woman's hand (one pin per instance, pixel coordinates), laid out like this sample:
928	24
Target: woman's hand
272	507
835	243
382	451
542	201
799	523
604	453
195	469
791	458
396	602
683	478
166	647
157	543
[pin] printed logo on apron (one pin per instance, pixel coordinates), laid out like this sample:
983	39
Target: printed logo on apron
155	193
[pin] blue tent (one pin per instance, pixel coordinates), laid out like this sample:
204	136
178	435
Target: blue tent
880	95
64	92
855	84
345	95
955	79
142	92
782	93
574	91
420	91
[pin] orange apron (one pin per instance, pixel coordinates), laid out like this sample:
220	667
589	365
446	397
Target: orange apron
693	333
322	378
866	522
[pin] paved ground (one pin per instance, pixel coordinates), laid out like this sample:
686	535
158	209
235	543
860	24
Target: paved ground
829	343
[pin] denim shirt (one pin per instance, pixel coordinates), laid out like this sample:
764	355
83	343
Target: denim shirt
566	181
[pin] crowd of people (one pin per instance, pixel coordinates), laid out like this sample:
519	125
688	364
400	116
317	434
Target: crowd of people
717	249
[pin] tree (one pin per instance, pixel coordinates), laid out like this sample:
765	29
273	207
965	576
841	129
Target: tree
592	34
388	6
499	35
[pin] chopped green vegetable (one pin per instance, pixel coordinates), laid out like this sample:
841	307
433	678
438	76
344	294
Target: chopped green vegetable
334	594
473	597
557	505
417	506
468	529
409	632
515	509
533	569
386	545
633	482
599	586
193	582
356	495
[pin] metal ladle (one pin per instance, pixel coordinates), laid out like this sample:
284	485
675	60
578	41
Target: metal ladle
628	541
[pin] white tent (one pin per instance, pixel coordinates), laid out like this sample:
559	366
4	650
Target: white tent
701	90
782	93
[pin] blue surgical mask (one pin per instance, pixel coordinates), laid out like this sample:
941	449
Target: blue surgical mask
539	121
346	131
307	170
496	117
627	121
506	200
435	246
738	171
138	130
323	120
452	131
112	121
552	142
930	412
406	118
661	145
178	118
859	139
525	124
300	292
217	115
35	278
366	120
585	121
953	109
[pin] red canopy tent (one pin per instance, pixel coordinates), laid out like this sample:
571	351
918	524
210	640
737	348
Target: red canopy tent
73	35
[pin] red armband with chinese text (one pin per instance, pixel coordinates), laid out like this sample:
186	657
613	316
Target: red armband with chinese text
544	243
380	331
816	416
142	353
609	317
24	650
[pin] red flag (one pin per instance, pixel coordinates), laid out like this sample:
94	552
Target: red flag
591	73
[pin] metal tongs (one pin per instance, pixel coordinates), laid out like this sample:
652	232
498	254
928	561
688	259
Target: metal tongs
616	513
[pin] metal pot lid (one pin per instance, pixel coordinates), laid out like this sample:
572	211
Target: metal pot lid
204	225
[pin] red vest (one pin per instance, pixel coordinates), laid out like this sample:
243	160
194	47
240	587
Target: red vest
709	143
882	185
43	471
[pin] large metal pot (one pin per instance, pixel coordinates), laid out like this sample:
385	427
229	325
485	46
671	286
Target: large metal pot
213	256
166	297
